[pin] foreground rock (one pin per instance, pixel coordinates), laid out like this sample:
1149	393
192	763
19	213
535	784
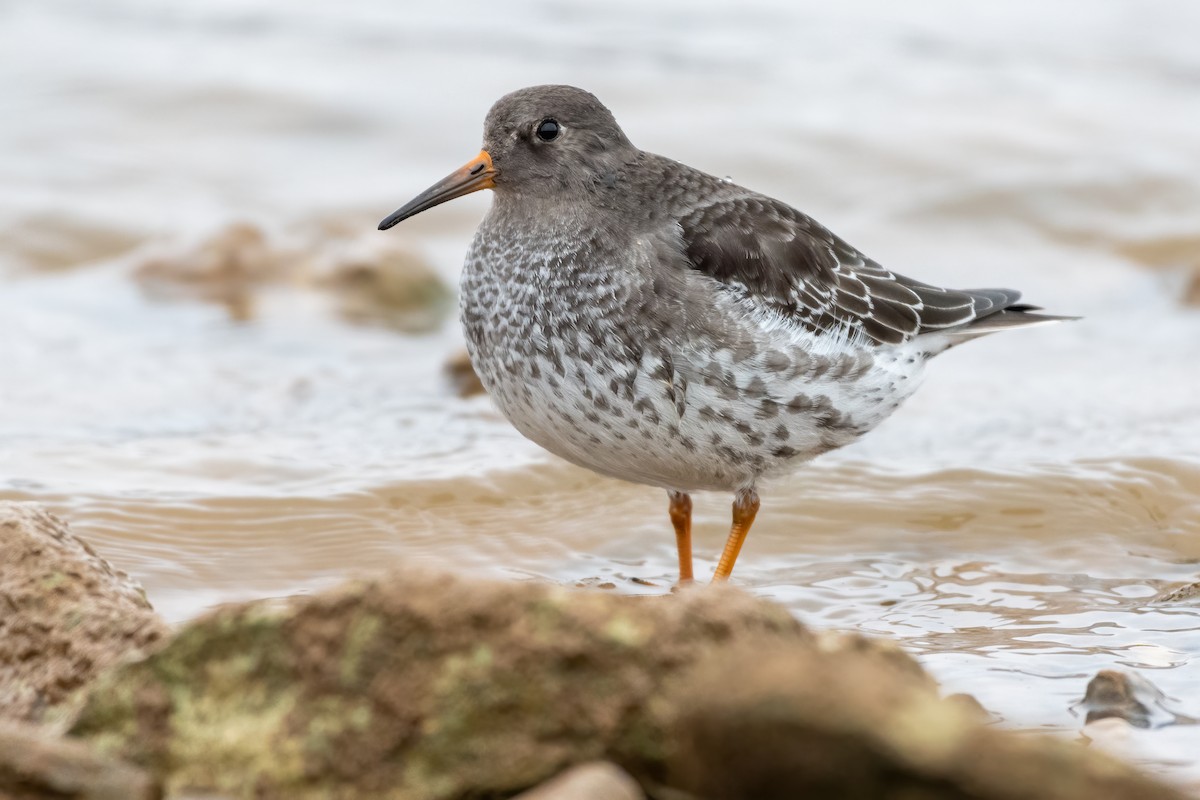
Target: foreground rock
596	780
433	687
34	764
785	723
415	687
65	613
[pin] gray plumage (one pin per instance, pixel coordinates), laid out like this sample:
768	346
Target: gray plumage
658	324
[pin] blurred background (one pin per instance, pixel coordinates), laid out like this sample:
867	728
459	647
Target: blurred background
233	386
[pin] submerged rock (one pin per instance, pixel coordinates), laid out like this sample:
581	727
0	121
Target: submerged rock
375	281
1129	696
60	241
461	373
227	268
1191	292
65	613
370	279
433	687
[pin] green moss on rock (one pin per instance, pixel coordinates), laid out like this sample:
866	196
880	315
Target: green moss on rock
435	688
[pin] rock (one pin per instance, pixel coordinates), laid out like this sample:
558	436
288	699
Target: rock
783	722
1128	696
65	613
596	780
375	281
35	765
62	241
970	705
462	375
1191	292
1188	594
886	654
415	686
371	279
227	268
423	686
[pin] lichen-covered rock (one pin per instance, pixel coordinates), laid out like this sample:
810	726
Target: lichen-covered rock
35	765
65	613
428	687
415	687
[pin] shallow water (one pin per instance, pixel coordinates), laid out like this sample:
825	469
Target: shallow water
1011	525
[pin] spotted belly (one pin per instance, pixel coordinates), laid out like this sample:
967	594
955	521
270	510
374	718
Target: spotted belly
695	421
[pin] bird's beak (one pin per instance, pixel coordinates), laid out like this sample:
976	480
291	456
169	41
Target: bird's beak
476	174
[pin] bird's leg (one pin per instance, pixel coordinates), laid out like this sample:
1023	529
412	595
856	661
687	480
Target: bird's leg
745	506
681	518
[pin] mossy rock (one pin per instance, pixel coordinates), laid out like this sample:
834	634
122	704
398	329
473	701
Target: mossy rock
420	687
415	687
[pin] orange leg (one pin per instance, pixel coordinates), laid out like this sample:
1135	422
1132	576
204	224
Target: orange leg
745	506
681	518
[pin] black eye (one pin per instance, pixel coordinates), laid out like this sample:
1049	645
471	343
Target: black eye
548	130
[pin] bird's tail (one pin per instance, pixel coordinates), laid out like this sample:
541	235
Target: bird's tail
1018	315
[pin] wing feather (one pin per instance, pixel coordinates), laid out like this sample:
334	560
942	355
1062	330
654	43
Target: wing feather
767	251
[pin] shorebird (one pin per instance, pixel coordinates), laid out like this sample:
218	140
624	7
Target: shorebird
654	323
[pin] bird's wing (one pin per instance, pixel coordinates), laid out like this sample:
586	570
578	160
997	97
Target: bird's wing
778	258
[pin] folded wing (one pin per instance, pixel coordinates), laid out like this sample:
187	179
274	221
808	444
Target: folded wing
766	251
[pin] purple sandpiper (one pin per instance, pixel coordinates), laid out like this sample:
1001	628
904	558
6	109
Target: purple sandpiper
657	324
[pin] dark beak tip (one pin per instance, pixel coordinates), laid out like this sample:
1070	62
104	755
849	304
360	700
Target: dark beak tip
391	220
474	175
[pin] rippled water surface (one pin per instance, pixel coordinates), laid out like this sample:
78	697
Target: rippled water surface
1012	525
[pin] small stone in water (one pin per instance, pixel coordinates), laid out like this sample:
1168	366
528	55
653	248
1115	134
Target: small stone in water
1127	696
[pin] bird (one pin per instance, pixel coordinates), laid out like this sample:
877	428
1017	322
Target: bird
657	324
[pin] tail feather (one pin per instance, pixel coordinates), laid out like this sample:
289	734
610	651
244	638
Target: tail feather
1007	315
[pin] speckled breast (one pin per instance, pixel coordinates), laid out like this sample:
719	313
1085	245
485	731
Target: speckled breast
562	341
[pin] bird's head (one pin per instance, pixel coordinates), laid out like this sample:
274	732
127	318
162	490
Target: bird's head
541	141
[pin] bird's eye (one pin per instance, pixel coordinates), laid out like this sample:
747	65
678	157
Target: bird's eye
548	130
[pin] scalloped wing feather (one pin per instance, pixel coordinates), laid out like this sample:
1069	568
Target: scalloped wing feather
771	253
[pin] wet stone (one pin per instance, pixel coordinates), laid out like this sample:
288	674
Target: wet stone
462	376
1187	594
65	613
1128	696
